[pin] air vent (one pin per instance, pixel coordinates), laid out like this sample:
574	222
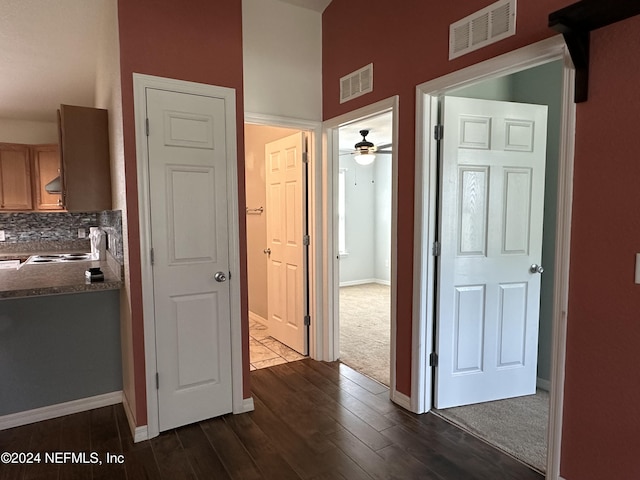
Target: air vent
356	83
486	26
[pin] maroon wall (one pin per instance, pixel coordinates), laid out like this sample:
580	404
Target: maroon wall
200	42
408	45
602	387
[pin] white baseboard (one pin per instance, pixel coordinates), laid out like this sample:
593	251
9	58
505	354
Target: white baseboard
401	399
543	384
59	410
364	281
247	406
257	318
139	434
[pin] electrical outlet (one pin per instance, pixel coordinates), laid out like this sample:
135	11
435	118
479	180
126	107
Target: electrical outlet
2	239
82	233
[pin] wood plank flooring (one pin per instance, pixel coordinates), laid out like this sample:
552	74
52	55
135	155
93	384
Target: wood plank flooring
312	420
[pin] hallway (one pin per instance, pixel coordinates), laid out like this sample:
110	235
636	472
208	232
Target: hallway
312	420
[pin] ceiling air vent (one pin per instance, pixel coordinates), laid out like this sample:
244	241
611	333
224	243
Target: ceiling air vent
486	26
356	83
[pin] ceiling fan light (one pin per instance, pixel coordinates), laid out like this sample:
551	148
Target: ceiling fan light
365	158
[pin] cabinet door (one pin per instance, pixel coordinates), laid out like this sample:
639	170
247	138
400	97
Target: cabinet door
15	177
84	141
46	167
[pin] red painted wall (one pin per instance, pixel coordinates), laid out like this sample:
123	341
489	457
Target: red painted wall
200	42
408	44
602	388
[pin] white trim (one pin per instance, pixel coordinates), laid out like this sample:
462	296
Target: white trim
257	318
426	185
59	410
140	433
247	406
140	84
316	341
401	399
329	218
364	281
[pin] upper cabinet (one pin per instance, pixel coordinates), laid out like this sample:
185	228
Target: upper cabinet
15	177
46	167
85	166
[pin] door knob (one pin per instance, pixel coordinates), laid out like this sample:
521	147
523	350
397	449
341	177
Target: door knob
536	268
267	251
220	277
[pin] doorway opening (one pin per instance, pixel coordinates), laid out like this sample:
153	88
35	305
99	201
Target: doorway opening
364	246
517	421
276	181
556	91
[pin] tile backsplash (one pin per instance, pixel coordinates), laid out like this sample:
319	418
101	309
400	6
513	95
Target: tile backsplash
51	228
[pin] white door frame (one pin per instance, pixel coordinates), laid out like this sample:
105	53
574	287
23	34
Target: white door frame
314	213
140	84
330	333
426	189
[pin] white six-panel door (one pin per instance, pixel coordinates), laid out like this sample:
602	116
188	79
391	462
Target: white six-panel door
492	196
285	249
188	194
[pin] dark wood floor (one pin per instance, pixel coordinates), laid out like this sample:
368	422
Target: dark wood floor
311	421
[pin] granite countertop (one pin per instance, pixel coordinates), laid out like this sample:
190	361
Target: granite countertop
56	278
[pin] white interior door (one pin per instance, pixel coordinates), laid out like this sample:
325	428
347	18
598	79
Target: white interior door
286	190
189	234
491	234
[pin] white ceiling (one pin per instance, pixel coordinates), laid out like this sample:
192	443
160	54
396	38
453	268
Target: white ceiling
48	56
380	132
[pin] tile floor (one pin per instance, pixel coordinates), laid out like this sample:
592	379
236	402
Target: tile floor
265	351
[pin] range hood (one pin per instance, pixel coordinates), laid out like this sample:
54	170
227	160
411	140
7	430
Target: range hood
54	186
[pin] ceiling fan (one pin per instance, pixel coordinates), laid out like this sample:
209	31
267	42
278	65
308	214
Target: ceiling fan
365	150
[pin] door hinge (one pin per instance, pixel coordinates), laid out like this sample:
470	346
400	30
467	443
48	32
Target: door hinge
438	132
306	240
152	256
307	320
436	249
433	359
146	126
157	381
305	157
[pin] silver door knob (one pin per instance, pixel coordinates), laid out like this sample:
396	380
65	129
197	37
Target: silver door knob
220	277
536	268
267	251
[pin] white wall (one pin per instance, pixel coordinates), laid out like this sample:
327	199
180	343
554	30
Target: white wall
108	95
282	47
382	219
28	132
368	221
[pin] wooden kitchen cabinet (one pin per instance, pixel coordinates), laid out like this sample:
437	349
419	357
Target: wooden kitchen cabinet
85	163
46	167
15	177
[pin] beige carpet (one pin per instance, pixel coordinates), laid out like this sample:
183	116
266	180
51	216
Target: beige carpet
517	426
365	329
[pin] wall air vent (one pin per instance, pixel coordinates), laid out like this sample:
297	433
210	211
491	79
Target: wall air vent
484	27
356	83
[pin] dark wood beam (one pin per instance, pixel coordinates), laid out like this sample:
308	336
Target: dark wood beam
576	21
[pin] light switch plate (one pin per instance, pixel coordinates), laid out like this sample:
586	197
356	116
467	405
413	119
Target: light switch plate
638	268
82	233
2	239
